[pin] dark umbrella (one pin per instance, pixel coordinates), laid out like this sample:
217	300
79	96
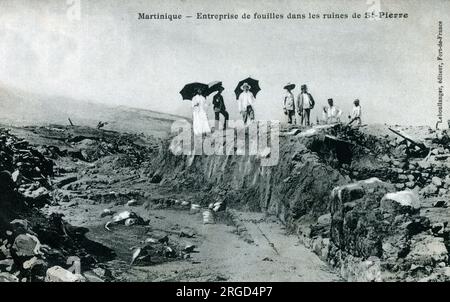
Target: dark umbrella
254	87
214	86
190	90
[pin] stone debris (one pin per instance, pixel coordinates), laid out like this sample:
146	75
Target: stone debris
132	202
127	218
59	274
189	248
371	220
31	241
398	201
7	277
26	245
6	265
107	212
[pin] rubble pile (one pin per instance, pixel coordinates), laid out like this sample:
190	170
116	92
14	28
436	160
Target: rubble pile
391	221
376	233
30	170
420	166
17	155
31	243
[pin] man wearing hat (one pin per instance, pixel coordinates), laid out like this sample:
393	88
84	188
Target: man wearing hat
305	102
288	102
356	113
245	103
219	108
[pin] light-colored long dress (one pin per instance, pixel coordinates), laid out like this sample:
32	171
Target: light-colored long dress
199	118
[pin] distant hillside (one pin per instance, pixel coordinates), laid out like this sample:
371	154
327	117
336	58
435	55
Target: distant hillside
21	108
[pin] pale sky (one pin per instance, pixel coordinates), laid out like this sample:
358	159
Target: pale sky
110	56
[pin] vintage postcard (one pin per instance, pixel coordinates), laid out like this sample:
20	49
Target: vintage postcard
224	141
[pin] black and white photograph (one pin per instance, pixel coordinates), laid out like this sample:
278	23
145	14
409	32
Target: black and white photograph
207	141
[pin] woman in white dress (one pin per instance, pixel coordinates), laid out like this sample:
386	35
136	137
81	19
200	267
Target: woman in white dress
199	118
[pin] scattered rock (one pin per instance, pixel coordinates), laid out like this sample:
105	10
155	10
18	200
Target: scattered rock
26	245
124	218
6	265
59	274
424	164
187	233
438	229
21	226
132	202
107	212
436	181
4	252
442	192
410	184
65	181
218	206
400	201
156	178
7	277
440	204
430	189
189	248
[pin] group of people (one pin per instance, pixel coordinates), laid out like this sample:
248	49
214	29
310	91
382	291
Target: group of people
305	103
246	102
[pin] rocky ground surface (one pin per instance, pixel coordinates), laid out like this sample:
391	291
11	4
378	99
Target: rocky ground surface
82	204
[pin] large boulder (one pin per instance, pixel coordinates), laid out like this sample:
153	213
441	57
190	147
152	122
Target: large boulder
356	219
370	219
26	245
7	277
59	274
398	202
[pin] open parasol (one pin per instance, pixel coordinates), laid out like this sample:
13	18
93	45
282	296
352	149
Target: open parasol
254	87
190	90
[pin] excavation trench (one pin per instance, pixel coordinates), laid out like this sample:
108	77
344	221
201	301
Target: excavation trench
306	218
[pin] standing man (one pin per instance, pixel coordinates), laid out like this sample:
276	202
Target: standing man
245	103
333	113
219	108
356	113
288	102
305	102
